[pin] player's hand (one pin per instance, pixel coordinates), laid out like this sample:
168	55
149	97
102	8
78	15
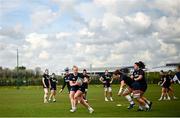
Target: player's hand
60	91
120	92
131	76
110	82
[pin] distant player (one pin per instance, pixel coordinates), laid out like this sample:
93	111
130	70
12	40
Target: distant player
106	79
66	80
165	84
53	81
171	90
46	84
76	81
140	86
85	84
125	91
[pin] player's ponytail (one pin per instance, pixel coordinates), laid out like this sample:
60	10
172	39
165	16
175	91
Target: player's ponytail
140	64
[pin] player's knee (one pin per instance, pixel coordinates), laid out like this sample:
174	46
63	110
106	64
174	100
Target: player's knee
109	89
105	89
136	95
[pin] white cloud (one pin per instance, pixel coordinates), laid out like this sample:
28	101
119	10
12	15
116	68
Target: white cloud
62	35
98	32
139	22
44	55
38	40
112	22
43	17
85	33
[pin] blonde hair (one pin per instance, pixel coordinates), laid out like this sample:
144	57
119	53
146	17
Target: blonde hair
75	67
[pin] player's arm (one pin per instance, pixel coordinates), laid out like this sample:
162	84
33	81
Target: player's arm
85	80
139	78
64	84
89	80
164	80
43	82
122	84
132	77
101	79
73	83
49	83
111	80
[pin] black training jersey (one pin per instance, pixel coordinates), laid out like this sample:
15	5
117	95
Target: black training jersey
127	80
137	73
106	78
46	79
73	77
66	81
85	84
53	82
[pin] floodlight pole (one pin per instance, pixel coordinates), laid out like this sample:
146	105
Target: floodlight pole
17	67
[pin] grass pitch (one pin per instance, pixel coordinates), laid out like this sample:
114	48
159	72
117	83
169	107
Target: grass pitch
28	102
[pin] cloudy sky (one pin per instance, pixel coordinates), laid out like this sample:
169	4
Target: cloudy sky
58	33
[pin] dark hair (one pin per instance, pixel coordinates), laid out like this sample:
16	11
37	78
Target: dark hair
140	64
66	69
162	71
117	72
84	70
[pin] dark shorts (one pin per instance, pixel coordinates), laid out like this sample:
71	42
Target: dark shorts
136	86
53	88
74	88
82	89
166	85
143	87
47	86
106	85
85	86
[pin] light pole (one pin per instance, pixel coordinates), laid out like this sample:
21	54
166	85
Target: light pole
17	67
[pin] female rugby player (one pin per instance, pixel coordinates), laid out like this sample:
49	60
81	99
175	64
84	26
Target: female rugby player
77	89
46	84
106	79
53	81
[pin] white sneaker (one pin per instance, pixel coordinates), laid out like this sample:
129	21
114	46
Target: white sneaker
168	98
54	100
91	110
111	99
160	99
72	110
106	99
45	101
49	100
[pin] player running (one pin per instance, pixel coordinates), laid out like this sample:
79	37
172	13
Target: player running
66	80
140	86
77	90
85	84
125	91
106	79
53	81
46	84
